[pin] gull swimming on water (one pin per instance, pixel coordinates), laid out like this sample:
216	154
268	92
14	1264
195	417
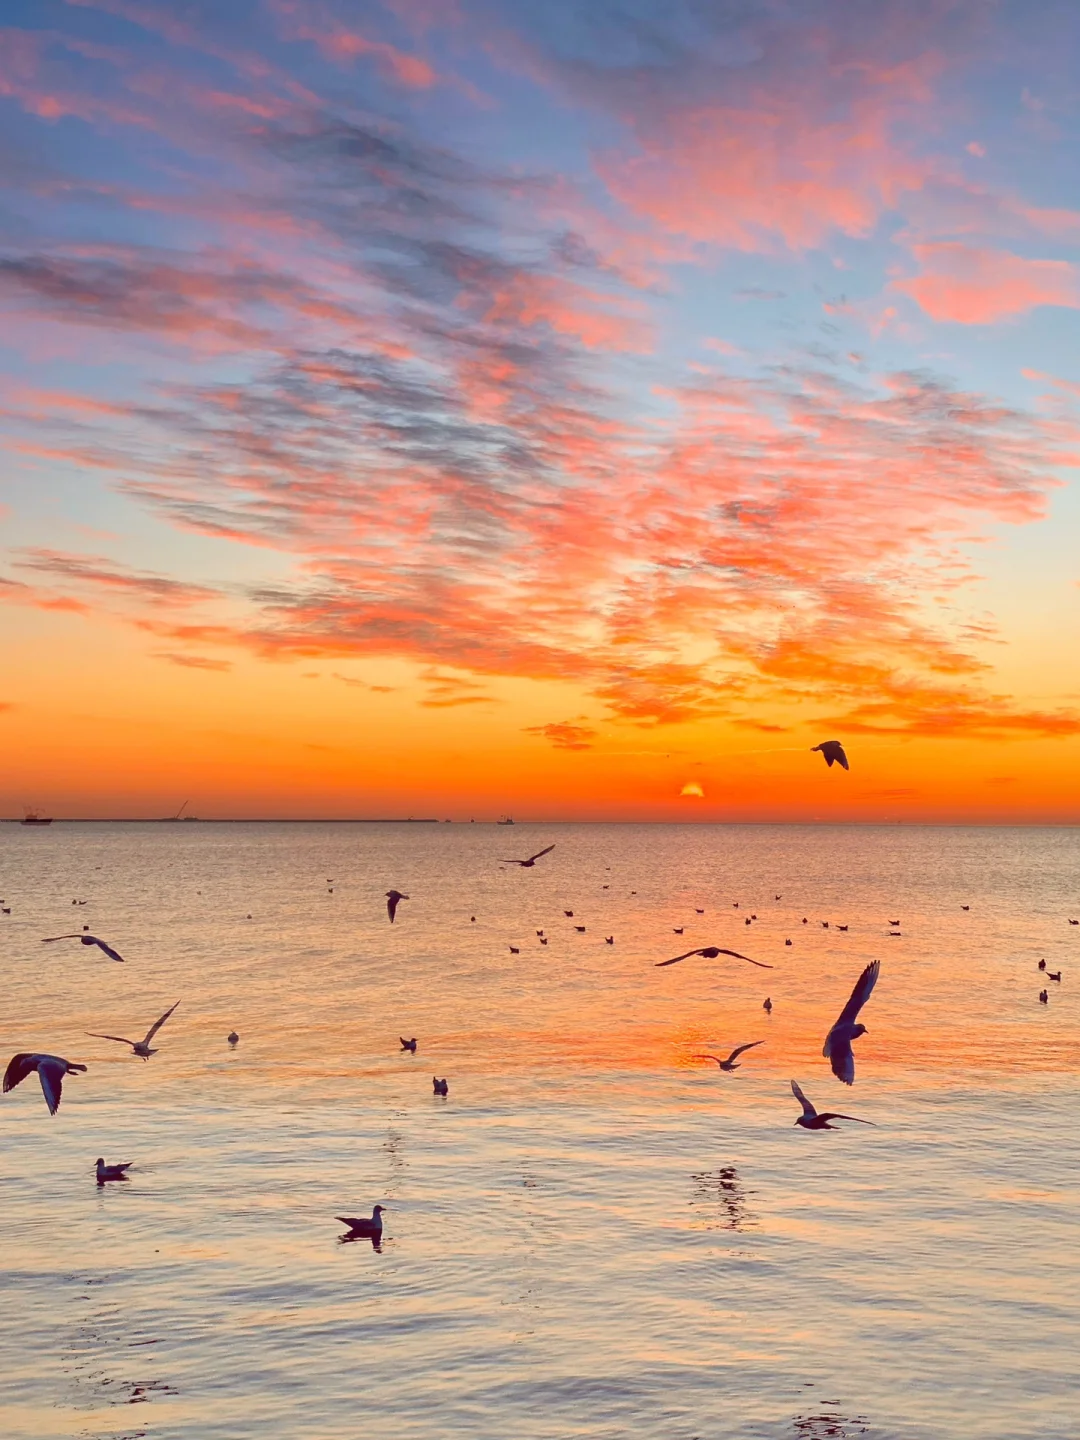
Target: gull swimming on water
833	753
111	1172
51	1070
837	1048
86	939
408	1044
528	864
140	1047
442	1087
731	1063
393	897
372	1227
811	1120
233	1038
710	952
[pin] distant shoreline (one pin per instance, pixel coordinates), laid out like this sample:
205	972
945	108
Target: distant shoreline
237	820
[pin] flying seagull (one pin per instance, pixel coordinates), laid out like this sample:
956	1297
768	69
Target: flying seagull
811	1120
392	899
833	752
140	1047
732	1061
528	864
372	1227
111	1172
710	952
86	939
837	1048
51	1070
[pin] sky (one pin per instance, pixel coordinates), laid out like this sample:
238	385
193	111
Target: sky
463	407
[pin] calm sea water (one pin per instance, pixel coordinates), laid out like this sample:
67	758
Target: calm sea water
595	1234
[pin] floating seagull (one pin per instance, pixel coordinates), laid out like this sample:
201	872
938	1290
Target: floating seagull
51	1071
111	1172
677	930
811	1120
540	932
393	899
569	914
1074	922
86	940
528	864
233	1038
140	1047
824	924
408	1044
841	927
580	929
778	897
787	942
710	952
698	912
1052	975
837	1048
965	907
372	1227
767	1007
833	753
731	1063
894	922
441	1087
1042	964
543	940
609	939
1044	998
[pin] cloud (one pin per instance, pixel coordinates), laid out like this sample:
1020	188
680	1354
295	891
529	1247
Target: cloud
192	662
971	286
359	684
565	734
106	576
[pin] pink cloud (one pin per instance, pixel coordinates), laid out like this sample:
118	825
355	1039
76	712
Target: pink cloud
971	286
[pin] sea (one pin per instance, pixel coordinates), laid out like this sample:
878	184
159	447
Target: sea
596	1233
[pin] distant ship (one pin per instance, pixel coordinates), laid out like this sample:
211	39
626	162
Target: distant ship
180	814
506	820
33	818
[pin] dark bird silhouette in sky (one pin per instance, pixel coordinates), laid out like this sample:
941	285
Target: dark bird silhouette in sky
837	1048
51	1070
528	864
811	1120
833	753
711	952
731	1063
393	900
87	939
140	1047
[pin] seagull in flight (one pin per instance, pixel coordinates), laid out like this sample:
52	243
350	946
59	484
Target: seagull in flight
140	1047
711	952
732	1061
528	864
86	939
51	1070
393	897
837	1048
811	1120
111	1172
833	753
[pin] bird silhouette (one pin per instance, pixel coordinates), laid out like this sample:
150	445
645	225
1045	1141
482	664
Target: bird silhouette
731	1063
837	1048
51	1070
359	1227
833	753
87	939
514	950
711	952
111	1172
1044	998
140	1047
767	1007
677	929
408	1044
1042	964
233	1038
393	900
811	1120
1054	975
528	864
609	939
441	1087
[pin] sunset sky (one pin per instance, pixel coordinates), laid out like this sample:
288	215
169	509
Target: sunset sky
576	410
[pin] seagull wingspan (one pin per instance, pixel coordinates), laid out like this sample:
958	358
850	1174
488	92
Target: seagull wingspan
740	1048
51	1073
538	854
759	963
121	1039
19	1066
807	1109
50	938
158	1024
860	994
108	949
835	1115
675	960
837	1050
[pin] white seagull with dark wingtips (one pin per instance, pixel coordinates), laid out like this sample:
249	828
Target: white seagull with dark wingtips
140	1047
837	1048
528	864
51	1070
711	952
86	939
811	1120
731	1063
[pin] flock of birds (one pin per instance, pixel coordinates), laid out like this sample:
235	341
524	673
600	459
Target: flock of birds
837	1048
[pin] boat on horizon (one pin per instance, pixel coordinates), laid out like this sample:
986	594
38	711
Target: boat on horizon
505	820
33	818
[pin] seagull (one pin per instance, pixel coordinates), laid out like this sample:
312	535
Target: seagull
140	1047
1042	964
1054	975
233	1038
569	914
51	1070
1074	922
841	927
787	942
580	929
1044	998
543	940
111	1172
514	950
609	939
441	1087
540	932
894	922
710	952
837	1048
393	899
811	1120
372	1227
767	1007
408	1044
677	930
833	753
824	924
965	907
86	940
731	1063
698	912
528	864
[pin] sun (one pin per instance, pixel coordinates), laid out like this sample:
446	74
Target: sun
693	789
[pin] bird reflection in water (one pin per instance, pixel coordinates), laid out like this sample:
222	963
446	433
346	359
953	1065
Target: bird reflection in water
99	1347
352	1236
722	1193
830	1427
